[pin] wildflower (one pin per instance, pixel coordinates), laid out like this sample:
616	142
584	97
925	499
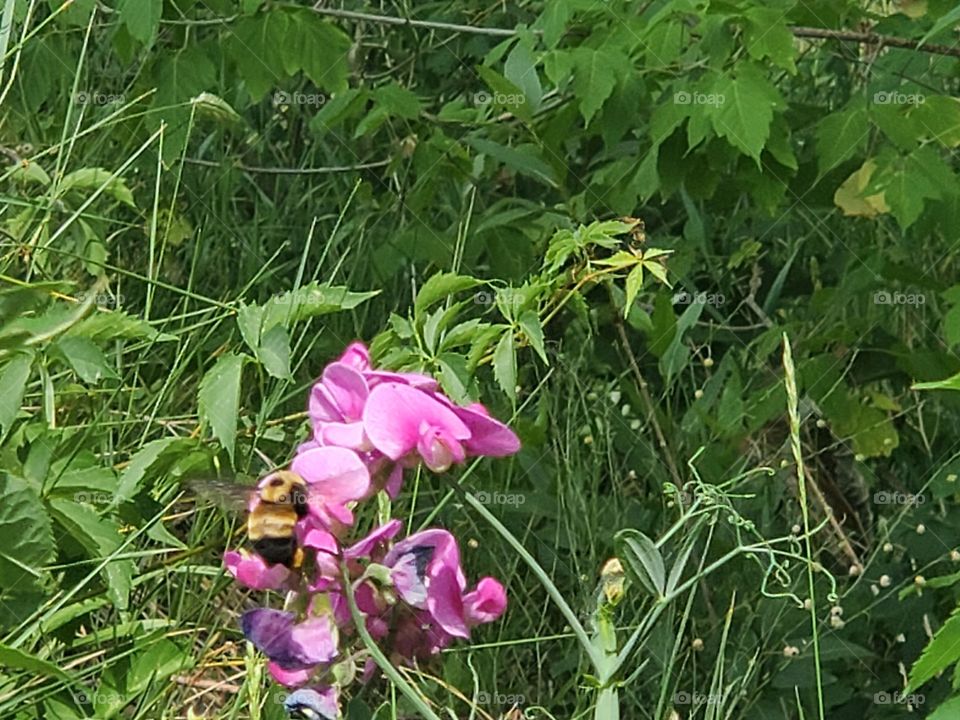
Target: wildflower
335	476
254	572
291	645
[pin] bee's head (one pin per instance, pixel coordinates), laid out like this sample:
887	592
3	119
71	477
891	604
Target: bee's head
282	488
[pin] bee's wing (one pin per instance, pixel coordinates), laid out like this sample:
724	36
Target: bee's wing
230	496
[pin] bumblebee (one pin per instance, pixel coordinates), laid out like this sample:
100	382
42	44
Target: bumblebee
273	508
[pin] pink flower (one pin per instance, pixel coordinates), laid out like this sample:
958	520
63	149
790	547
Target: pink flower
291	645
254	572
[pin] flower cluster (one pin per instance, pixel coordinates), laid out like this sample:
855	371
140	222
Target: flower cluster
368	427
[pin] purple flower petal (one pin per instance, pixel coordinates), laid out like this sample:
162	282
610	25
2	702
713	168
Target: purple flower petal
254	572
315	639
488	436
356	356
347	388
292	646
337	474
380	536
486	603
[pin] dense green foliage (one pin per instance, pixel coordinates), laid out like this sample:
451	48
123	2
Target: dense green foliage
203	202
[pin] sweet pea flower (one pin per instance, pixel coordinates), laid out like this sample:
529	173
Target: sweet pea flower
254	572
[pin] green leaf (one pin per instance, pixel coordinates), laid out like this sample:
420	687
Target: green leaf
136	470
455	376
945	21
525	159
520	68
18	659
744	115
219	398
86	359
97	180
595	73
767	36
947	710
101	538
26	536
942	651
141	18
840	136
633	284
318	48
274	352
13	380
951	383
440	286
505	364
642	559
529	323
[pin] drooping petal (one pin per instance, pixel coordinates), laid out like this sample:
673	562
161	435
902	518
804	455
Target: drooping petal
254	572
485	603
395	413
338	474
488	436
365	548
313	703
445	602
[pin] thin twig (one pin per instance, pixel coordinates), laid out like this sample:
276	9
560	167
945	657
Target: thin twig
868	38
430	24
291	171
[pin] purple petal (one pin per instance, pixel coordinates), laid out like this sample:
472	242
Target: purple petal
270	632
315	640
348	389
417	380
445	602
439	449
321	405
395	413
347	435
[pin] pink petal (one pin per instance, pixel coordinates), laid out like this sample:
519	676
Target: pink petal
356	356
254	572
367	546
348	389
348	435
321	405
316	638
488	436
394	481
312	534
439	449
417	380
395	413
486	603
289	678
445	603
336	473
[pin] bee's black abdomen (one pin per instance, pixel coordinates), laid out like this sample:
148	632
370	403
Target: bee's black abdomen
276	550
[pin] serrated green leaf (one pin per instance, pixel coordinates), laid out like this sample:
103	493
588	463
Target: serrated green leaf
440	286
455	376
595	73
744	116
840	135
141	18
505	365
529	323
86	359
13	380
97	180
219	398
525	159
274	352
520	68
135	471
941	652
26	537
633	284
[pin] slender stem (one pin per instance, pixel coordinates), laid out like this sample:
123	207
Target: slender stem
596	659
377	654
794	413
